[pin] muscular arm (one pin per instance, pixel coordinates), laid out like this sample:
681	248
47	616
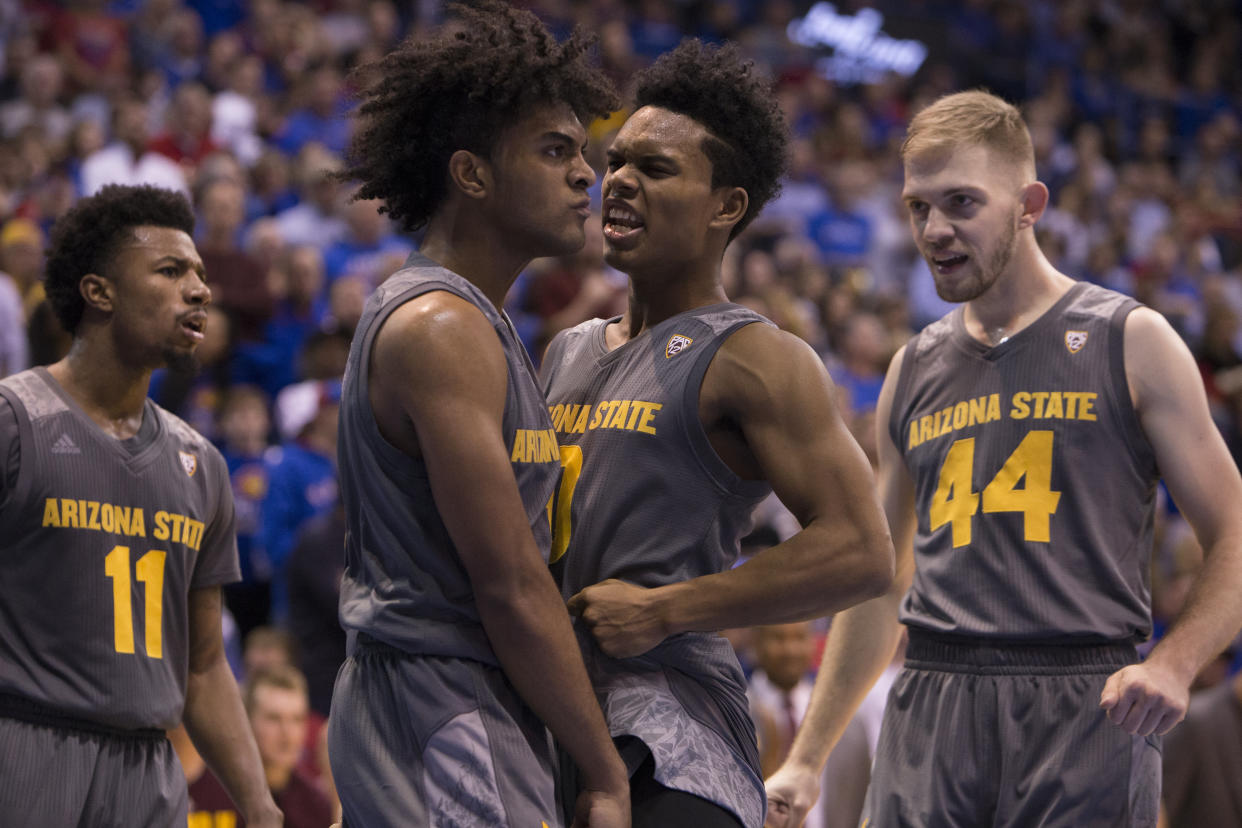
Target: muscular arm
773	389
215	719
1203	480
860	644
455	406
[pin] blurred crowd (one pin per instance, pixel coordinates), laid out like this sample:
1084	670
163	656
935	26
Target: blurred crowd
246	106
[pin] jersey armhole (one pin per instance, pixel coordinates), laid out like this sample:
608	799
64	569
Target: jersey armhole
701	447
897	408
17	496
1127	417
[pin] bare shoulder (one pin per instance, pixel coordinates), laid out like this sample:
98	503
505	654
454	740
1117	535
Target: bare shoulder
1157	361
435	334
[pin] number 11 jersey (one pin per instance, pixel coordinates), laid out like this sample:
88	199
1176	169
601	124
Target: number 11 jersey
101	541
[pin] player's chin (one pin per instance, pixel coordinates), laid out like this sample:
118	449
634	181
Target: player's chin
182	359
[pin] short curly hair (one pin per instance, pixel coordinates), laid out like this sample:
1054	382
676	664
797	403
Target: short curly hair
714	85
459	90
87	238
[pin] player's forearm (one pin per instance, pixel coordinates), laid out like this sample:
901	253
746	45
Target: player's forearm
1212	614
812	574
217	724
860	645
531	635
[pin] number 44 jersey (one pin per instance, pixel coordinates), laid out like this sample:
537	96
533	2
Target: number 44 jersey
1035	487
101	541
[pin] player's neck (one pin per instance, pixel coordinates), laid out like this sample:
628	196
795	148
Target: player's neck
1027	289
467	249
111	392
653	300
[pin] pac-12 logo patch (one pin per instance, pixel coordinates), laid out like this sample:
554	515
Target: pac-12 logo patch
189	462
676	344
1074	340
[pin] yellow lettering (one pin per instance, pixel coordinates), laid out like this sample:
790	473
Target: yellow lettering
106	519
644	425
519	448
1088	402
601	411
177	522
161	525
993	409
580	426
51	515
961	413
927	427
195	538
946	421
1021	406
120	516
92	509
1041	397
532	445
914	434
69	513
557	413
978	410
619	414
138	524
637	407
1054	406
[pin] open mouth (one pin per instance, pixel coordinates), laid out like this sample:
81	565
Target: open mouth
946	264
621	223
195	326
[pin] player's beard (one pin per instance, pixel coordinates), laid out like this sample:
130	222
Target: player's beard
987	275
182	362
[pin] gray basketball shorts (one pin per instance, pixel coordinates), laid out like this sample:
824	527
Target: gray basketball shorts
432	741
59	777
979	733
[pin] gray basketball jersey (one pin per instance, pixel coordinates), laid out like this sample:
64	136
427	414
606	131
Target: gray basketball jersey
404	583
1035	486
100	544
646	499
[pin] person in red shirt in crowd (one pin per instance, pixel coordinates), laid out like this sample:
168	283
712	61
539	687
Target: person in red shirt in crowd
277	704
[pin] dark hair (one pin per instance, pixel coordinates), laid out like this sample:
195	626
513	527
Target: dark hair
87	237
459	91
715	86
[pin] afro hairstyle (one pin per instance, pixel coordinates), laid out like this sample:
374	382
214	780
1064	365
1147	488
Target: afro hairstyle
714	85
87	238
458	91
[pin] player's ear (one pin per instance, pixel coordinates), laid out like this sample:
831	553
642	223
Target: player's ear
470	174
1034	199
97	291
732	207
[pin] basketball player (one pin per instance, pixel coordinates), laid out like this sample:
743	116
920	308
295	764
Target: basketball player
1021	437
116	532
675	420
461	649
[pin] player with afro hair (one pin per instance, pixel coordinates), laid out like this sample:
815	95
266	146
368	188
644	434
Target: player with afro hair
460	91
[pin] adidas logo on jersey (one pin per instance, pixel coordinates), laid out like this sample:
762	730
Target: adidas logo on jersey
676	344
65	445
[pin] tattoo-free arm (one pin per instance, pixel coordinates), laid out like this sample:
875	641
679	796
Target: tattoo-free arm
444	364
215	719
1202	478
860	644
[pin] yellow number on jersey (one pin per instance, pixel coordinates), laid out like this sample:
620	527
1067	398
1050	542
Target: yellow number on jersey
150	571
955	502
561	502
1032	459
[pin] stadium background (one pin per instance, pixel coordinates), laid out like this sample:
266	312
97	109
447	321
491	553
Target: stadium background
1134	107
